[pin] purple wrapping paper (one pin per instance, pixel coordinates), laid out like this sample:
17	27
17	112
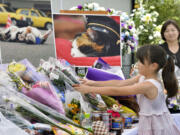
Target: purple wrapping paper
45	96
100	75
101	64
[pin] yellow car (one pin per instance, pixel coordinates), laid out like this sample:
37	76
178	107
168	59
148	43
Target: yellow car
39	18
16	19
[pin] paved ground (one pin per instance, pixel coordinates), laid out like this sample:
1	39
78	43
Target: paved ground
19	51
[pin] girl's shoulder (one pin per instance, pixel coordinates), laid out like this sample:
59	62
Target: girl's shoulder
157	83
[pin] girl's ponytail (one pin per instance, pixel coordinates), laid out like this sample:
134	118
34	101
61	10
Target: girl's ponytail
169	78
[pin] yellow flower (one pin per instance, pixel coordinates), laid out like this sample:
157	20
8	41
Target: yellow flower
75	106
147	18
69	105
16	67
73	111
77	121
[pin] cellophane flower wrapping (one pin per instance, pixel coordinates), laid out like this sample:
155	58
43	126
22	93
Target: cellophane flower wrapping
31	109
9	128
59	72
71	94
45	96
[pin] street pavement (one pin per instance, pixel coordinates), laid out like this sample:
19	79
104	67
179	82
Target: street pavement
18	51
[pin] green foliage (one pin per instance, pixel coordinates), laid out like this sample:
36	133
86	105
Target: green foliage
167	9
145	20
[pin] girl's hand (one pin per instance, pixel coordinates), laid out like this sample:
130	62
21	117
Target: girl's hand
87	82
82	88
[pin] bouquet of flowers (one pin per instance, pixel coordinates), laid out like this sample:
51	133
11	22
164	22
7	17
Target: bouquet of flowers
129	38
37	91
73	111
5	80
58	72
174	103
145	22
27	107
13	68
96	101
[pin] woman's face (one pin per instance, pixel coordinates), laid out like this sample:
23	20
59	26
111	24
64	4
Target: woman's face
171	33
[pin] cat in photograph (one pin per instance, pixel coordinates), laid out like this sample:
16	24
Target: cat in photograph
101	38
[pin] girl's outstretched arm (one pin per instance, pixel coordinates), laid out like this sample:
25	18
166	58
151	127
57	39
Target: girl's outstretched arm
114	83
146	88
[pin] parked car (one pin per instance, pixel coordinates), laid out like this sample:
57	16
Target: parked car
16	19
38	17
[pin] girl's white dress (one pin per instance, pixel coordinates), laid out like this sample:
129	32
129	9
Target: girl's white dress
154	116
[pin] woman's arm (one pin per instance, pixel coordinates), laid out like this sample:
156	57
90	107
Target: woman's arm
114	83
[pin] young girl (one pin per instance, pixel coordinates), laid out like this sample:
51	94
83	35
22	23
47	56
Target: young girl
154	117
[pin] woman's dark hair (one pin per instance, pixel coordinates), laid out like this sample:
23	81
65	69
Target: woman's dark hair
168	22
156	54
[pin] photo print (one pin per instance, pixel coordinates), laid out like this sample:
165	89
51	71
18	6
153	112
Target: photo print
82	39
26	31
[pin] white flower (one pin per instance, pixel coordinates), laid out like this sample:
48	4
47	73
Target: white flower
101	9
47	66
154	19
145	30
133	30
147	18
138	13
127	33
73	8
58	63
85	5
129	49
134	10
95	5
158	28
152	7
118	12
157	34
141	27
90	6
53	76
131	15
156	14
124	16
150	37
154	25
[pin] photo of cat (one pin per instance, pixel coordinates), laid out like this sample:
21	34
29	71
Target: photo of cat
82	37
101	38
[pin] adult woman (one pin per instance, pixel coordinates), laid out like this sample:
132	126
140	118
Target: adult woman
170	33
